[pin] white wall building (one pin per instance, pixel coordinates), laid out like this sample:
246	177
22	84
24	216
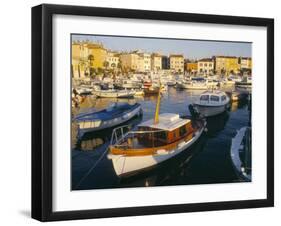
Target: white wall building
112	59
205	66
156	62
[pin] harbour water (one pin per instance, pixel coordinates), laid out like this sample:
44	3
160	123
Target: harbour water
208	161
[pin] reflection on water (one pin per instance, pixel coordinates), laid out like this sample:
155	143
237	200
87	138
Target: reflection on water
207	161
216	123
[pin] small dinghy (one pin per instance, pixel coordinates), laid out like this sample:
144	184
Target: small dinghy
212	103
241	154
114	115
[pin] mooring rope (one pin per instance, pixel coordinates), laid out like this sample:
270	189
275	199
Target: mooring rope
91	169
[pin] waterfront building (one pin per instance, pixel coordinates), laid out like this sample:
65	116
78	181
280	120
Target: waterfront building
177	63
146	61
245	63
112	60
80	64
130	61
165	63
191	67
205	66
226	65
156	62
97	56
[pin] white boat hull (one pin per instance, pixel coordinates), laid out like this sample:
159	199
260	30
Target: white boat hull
208	111
126	165
236	161
114	94
193	87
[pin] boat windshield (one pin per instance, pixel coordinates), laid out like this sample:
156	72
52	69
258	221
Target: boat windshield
223	98
214	98
204	98
143	139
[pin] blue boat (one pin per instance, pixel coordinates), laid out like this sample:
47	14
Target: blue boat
114	115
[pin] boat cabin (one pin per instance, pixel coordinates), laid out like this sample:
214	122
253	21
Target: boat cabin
169	129
215	97
149	137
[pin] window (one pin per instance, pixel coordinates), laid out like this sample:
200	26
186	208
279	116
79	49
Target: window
161	135
205	65
223	98
175	134
214	98
182	130
204	97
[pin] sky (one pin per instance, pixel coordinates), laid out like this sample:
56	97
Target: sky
191	49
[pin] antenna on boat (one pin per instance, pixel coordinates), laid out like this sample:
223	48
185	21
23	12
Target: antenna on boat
157	109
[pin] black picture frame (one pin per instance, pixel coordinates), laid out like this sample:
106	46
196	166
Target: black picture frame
42	111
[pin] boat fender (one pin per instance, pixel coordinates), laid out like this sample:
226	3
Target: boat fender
161	152
205	129
109	156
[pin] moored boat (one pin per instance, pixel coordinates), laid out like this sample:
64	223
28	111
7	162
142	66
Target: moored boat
241	154
112	93
212	103
114	115
153	142
194	84
245	83
138	92
152	90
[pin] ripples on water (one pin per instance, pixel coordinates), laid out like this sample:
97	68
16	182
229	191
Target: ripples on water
207	162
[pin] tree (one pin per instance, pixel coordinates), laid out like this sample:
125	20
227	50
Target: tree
91	59
105	64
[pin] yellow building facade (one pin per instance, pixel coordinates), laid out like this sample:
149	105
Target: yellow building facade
246	63
80	64
191	67
227	64
97	56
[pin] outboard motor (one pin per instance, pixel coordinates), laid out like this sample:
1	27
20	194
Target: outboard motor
193	111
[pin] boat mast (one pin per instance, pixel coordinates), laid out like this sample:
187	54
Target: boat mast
156	115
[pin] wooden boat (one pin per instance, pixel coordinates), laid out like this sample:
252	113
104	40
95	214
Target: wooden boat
112	93
212	103
114	115
241	154
153	142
